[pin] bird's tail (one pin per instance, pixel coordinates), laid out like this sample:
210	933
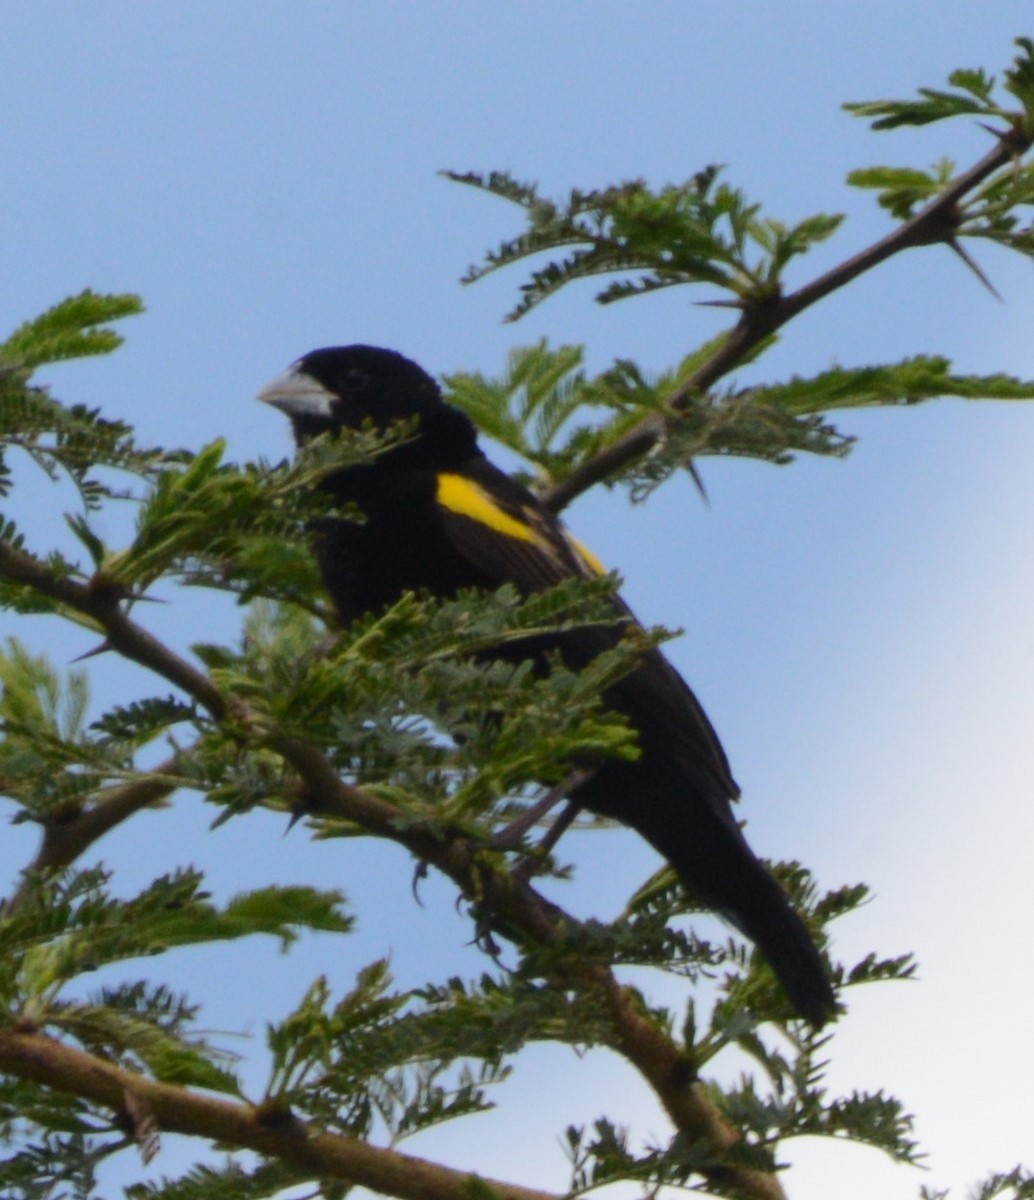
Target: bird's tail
763	912
711	856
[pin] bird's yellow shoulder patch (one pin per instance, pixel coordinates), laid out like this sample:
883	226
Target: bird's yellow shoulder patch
586	556
463	496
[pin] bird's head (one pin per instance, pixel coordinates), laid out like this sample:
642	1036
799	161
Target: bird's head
352	386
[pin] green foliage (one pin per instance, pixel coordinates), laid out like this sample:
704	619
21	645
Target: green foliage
606	1156
530	406
374	1057
904	189
56	1165
971	95
700	231
1017	1184
75	441
68	330
993	210
379	699
992	213
206	513
51	762
538	410
138	723
132	1037
65	926
232	1181
35	700
41	719
993	216
412	712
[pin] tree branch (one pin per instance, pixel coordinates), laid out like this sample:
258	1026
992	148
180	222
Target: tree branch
512	906
65	840
66	835
935	222
123	634
35	1057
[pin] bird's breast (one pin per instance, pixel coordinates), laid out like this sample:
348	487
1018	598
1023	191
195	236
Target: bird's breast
396	546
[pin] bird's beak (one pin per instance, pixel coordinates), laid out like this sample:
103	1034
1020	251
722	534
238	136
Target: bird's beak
298	395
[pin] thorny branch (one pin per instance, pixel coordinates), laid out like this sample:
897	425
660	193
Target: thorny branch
30	1055
508	903
510	906
936	222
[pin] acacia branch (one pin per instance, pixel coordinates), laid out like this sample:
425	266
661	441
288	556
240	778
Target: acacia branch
936	222
103	607
508	905
518	912
65	839
33	1056
68	834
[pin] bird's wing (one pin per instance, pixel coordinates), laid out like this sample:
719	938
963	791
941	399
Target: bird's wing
506	535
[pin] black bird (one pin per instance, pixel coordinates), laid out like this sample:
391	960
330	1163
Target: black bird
440	517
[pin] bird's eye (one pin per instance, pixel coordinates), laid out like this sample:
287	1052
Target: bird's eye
354	379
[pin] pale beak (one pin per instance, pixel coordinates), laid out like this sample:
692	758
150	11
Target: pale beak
298	395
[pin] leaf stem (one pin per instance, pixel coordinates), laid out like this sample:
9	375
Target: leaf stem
935	222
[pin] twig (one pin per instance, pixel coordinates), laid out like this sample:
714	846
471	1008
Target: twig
33	1056
67	836
64	841
935	222
513	907
123	634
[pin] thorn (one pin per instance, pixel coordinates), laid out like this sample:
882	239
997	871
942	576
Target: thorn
1001	135
485	942
103	648
301	808
142	597
691	467
293	819
114	593
954	244
720	304
420	873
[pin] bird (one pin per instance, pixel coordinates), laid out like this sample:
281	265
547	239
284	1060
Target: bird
440	518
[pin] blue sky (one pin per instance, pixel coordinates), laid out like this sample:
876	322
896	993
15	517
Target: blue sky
264	176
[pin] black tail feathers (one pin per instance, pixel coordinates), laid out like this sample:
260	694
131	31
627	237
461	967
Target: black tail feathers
763	912
713	859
